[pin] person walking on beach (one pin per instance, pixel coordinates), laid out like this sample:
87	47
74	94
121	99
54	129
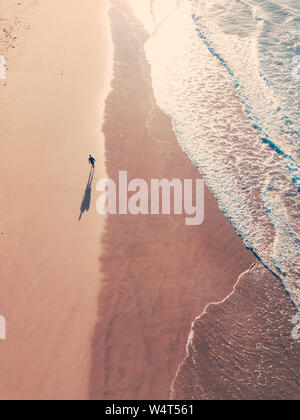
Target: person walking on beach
92	161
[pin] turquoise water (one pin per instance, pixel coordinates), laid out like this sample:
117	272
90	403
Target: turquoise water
227	72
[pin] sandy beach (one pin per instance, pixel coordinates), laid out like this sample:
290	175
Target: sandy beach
59	69
242	348
116	307
158	274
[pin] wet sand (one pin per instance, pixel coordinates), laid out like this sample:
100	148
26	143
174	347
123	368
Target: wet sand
242	348
158	274
58	55
80	327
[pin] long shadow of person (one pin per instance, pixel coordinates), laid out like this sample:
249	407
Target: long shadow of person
86	201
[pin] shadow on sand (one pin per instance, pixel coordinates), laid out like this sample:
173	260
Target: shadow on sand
86	201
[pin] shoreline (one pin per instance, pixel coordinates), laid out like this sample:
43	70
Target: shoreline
107	307
242	348
51	105
158	274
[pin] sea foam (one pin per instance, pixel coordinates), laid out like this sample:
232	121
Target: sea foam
222	70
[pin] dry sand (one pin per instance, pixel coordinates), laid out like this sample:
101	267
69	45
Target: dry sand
59	66
157	274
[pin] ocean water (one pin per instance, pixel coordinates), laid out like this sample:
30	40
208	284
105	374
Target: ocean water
227	72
